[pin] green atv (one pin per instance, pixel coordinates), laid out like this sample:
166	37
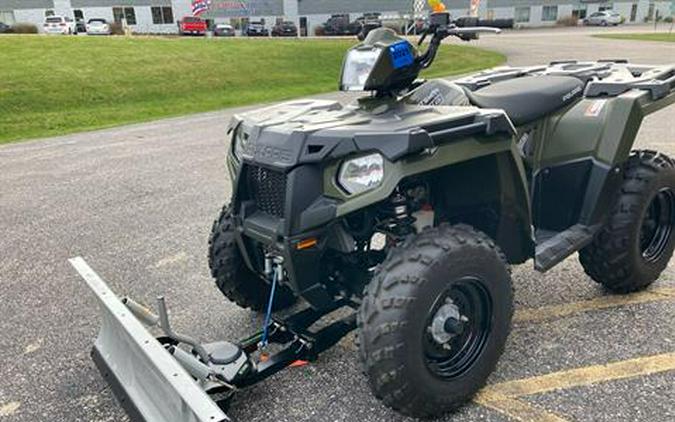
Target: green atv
406	209
413	203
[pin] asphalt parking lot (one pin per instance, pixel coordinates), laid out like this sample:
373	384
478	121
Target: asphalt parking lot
137	203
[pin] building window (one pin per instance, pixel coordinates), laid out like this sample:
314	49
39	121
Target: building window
549	13
7	17
579	12
522	14
128	13
162	15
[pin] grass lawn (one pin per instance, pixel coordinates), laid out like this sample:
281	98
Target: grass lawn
57	85
660	36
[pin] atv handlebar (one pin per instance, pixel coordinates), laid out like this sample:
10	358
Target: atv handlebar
441	28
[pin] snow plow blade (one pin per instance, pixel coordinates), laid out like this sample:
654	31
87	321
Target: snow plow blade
145	378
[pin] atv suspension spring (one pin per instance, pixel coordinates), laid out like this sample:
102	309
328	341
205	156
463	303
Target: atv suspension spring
399	222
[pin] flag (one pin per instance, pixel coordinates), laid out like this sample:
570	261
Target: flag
199	7
473	10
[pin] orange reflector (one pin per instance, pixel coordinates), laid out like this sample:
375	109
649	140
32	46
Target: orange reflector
264	357
307	243
298	363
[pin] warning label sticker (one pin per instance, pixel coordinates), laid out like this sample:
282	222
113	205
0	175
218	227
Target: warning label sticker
595	108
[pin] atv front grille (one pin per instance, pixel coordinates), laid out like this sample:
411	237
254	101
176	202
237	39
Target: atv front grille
267	188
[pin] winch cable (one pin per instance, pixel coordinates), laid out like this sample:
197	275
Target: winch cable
268	315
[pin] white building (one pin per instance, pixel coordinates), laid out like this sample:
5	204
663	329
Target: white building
160	16
144	16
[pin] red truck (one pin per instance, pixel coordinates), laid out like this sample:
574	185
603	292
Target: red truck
191	25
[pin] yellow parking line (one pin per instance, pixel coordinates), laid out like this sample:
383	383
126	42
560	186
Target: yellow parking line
582	376
502	397
567	309
518	410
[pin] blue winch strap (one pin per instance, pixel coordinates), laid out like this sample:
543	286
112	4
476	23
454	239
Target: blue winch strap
268	314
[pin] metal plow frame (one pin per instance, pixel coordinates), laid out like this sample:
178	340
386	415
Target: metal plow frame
148	382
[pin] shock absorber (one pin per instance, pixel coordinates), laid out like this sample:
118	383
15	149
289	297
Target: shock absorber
400	220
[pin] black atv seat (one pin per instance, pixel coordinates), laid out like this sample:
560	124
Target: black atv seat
528	98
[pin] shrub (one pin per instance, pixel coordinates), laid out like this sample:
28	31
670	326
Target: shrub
23	28
568	21
319	31
116	28
668	19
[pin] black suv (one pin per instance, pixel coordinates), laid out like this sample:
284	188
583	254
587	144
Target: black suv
285	29
340	25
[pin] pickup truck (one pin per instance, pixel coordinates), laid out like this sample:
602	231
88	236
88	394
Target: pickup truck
191	25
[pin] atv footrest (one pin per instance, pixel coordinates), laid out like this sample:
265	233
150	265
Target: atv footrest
557	247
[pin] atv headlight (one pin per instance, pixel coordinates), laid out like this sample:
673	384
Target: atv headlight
357	68
361	174
238	142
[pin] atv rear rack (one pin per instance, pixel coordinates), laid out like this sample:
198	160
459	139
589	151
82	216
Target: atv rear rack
176	378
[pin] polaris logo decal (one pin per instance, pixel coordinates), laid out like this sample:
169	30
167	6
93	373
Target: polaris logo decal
268	152
435	97
571	94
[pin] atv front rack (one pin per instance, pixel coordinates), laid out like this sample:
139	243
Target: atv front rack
176	378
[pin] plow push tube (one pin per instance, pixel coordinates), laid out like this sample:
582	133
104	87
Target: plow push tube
148	382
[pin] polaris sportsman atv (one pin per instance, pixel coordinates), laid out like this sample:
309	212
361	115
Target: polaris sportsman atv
407	209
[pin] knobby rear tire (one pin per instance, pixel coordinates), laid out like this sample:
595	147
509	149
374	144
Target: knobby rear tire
615	258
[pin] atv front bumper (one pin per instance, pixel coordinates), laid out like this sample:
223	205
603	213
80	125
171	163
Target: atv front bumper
257	231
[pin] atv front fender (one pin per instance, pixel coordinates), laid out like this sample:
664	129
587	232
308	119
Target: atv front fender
445	155
483	171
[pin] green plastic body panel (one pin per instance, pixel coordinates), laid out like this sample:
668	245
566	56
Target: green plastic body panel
601	128
445	155
507	189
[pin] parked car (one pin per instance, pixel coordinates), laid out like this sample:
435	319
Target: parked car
604	18
59	25
98	27
223	30
340	25
191	25
80	26
285	29
4	27
368	22
257	29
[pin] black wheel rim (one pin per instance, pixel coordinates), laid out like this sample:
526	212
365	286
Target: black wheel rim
657	225
461	352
